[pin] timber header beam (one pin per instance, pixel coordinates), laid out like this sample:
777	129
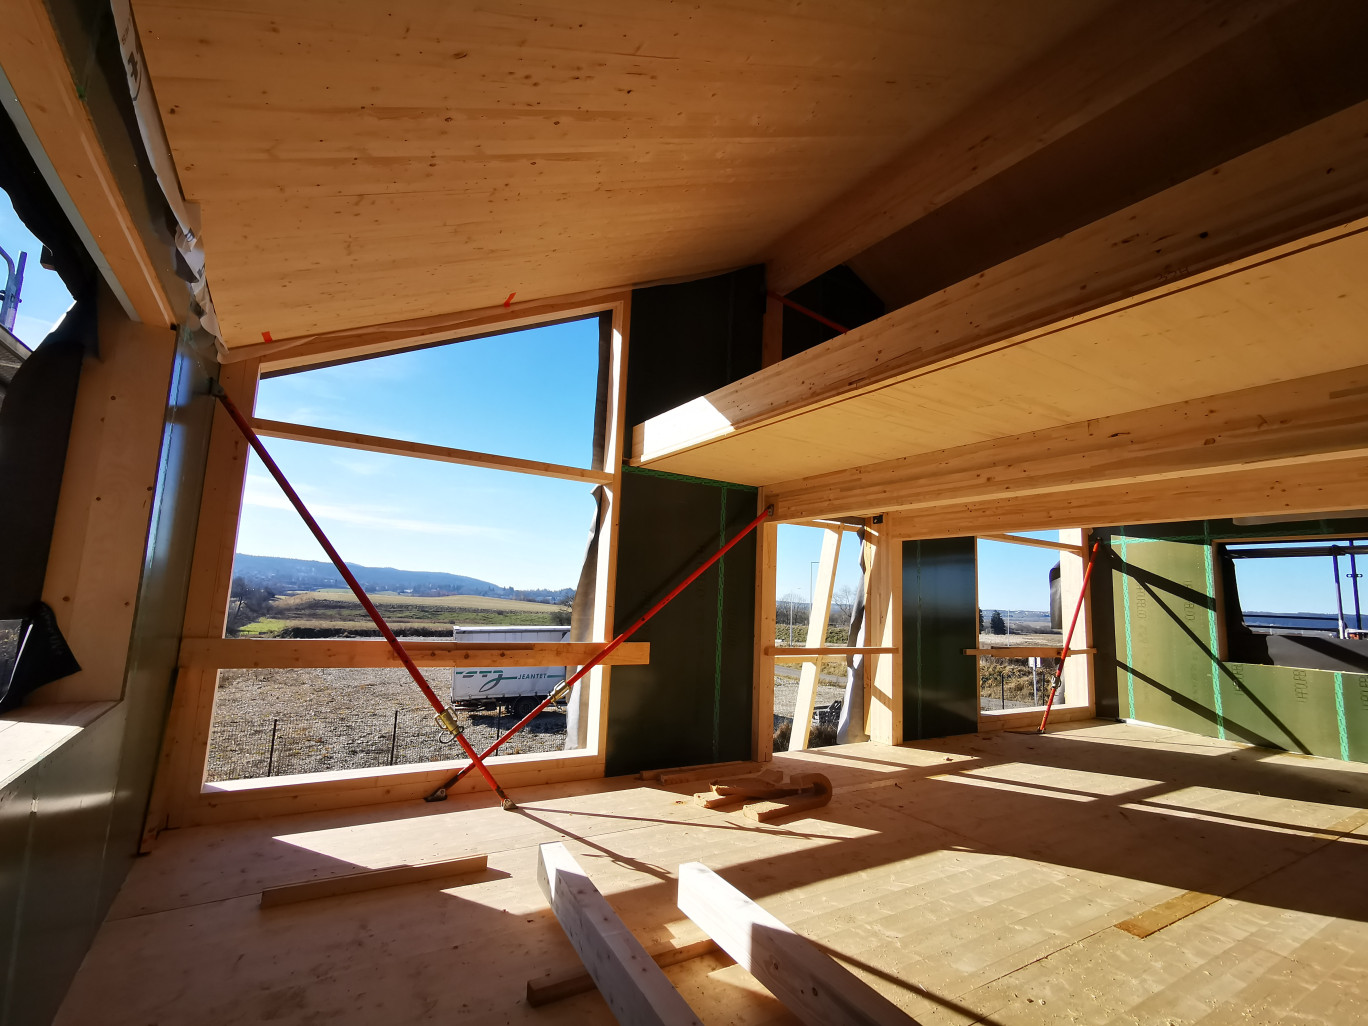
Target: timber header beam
1313	180
1110	60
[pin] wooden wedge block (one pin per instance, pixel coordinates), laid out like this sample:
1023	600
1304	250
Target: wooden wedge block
369	880
816	792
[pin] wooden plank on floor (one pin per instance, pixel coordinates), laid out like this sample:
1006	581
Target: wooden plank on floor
631	983
370	880
815	988
1166	913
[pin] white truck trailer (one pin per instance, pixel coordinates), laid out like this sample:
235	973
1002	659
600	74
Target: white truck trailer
518	689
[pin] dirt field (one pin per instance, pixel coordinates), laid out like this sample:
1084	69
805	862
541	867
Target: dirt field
325	719
334	612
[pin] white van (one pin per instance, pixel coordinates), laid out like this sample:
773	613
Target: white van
519	689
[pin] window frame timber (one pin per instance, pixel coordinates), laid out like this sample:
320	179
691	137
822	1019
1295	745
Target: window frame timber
181	796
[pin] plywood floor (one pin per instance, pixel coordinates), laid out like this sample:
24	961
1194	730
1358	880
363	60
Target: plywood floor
976	879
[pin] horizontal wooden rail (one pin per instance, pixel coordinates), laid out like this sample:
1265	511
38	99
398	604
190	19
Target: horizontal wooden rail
1026	652
804	654
244	653
422	450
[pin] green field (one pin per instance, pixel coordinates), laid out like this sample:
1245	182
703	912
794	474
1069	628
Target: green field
331	612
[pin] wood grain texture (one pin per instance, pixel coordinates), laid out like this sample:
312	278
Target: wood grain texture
627	977
557	988
249	653
37	70
1188	293
423	450
1108	61
1274	425
816	989
95	561
405	163
370	880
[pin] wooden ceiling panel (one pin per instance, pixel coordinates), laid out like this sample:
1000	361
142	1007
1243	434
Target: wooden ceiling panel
1299	313
357	163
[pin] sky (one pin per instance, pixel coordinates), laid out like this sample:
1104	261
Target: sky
1303	584
43	299
529	394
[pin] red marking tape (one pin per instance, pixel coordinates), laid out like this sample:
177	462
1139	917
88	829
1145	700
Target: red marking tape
266	337
509	301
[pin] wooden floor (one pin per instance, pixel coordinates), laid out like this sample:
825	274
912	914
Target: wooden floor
977	879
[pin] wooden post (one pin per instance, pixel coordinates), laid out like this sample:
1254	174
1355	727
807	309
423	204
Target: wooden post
819	613
636	990
815	987
883	609
762	702
1078	689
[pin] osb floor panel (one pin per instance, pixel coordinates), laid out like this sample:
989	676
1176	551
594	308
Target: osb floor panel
977	879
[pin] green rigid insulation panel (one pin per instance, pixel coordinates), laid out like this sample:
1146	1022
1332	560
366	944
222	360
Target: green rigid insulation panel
1167	639
939	621
1299	710
1166	634
692	703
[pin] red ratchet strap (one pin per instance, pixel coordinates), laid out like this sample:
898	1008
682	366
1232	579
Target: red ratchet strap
1068	638
810	313
445	717
564	687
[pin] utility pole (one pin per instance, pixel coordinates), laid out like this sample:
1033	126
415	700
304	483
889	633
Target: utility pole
14	284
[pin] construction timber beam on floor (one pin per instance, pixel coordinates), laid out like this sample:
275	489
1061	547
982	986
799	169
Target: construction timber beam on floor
1107	62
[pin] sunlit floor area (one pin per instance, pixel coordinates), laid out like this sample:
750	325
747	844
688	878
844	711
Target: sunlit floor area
991	878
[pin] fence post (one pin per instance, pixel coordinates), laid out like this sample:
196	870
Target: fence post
394	736
270	759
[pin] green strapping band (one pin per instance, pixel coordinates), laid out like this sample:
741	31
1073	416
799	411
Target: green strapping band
1212	635
1126	616
717	643
1339	716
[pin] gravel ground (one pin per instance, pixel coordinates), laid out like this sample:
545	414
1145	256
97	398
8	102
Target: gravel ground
326	719
274	722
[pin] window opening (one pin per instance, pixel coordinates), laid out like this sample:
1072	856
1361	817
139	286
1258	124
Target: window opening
446	551
1299	604
530	394
1019	607
798	583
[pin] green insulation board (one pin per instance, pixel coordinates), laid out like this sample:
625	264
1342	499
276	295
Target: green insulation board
1166	645
939	621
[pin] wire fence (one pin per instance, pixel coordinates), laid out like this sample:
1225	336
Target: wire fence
244	749
1020	683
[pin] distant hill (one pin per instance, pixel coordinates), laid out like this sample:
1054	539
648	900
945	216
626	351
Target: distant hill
281	574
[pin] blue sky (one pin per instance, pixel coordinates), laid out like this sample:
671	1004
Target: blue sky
522	531
43	299
512	529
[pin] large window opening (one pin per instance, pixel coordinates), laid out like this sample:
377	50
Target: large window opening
818	582
1296	603
1023	614
448	547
